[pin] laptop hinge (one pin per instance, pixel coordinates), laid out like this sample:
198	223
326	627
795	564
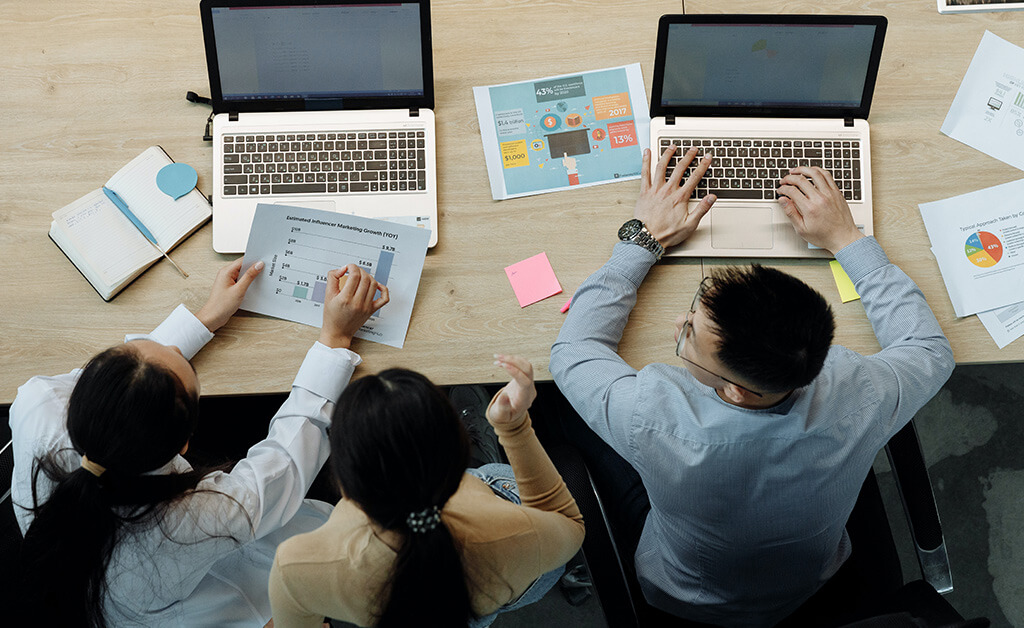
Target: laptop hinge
233	116
414	112
670	120
848	122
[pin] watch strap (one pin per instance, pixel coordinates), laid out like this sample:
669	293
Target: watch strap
646	239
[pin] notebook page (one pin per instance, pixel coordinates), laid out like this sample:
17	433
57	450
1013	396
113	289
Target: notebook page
105	240
169	220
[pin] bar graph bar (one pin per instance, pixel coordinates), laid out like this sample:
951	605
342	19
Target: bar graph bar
384	261
319	291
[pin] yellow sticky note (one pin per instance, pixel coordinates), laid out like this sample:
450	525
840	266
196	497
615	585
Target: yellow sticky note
846	290
513	154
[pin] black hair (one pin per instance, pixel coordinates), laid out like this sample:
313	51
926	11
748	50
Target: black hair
397	447
129	416
774	330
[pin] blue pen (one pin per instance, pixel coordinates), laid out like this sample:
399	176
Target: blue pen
121	205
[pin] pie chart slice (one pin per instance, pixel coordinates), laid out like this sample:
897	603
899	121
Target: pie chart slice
983	249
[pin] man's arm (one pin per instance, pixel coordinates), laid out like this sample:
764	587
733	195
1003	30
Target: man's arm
913	346
584	363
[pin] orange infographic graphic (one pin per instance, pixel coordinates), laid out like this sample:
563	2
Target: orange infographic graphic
983	249
612	106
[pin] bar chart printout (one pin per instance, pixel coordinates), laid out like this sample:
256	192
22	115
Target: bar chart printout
300	246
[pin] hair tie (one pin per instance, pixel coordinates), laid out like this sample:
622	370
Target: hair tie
424	520
92	467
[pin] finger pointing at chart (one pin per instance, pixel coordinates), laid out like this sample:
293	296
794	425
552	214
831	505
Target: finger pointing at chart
349	303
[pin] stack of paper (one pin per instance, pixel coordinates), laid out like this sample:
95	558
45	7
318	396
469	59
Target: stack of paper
978	238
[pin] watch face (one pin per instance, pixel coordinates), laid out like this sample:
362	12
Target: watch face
630	229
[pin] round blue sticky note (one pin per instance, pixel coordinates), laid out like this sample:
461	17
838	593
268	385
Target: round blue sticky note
176	180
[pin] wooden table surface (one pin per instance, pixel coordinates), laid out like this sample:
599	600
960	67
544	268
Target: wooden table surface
87	85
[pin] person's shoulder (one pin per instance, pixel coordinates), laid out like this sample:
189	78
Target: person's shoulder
665	379
346	537
297	549
43	387
41	404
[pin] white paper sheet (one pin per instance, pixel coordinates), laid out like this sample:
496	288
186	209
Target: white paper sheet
1005	324
978	241
988	111
300	245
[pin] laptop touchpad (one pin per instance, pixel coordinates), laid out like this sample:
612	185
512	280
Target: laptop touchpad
742	227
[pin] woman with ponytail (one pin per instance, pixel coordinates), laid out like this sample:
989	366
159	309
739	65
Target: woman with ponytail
416	540
119	528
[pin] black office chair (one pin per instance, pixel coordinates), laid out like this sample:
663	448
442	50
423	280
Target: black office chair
10	534
868	591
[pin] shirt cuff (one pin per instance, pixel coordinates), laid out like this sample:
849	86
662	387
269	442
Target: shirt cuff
326	371
632	261
862	257
181	329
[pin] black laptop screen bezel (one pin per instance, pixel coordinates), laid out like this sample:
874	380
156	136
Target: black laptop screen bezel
789	111
220	105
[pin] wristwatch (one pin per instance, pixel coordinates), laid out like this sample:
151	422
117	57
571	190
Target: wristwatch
636	232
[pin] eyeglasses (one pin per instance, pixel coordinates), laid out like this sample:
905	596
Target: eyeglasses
685	331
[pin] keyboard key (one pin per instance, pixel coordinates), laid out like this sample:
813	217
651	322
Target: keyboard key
304	188
736	193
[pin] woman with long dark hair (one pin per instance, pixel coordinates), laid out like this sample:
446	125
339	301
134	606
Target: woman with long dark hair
119	528
416	540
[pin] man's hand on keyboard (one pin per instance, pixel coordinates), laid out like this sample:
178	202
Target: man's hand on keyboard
817	208
663	205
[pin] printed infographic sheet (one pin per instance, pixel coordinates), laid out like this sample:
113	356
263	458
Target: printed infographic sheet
560	132
299	247
988	111
978	241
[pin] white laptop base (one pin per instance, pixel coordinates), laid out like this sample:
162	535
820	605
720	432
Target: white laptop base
232	214
759	228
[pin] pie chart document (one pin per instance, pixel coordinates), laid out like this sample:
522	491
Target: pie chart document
978	242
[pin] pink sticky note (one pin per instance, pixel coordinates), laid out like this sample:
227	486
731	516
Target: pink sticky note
533	279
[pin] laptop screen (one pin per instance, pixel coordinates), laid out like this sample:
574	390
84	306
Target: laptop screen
779	68
324	56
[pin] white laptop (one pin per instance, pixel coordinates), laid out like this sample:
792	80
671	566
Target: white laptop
319	104
765	93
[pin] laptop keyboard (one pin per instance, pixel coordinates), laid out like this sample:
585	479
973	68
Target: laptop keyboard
751	168
339	162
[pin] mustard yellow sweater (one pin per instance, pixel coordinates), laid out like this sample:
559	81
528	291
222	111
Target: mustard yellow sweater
339	570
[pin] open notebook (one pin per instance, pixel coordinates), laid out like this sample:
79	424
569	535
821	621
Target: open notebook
102	242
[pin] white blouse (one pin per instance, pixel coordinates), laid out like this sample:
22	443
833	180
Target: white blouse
208	563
